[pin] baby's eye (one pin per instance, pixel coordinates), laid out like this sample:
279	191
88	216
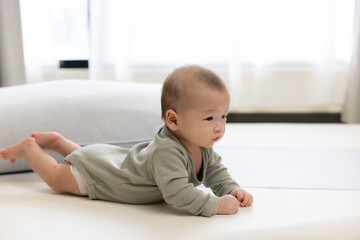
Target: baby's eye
224	116
209	118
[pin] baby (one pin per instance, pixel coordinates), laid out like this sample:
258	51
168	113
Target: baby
195	104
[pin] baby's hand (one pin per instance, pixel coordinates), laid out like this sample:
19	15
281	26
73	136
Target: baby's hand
245	198
227	205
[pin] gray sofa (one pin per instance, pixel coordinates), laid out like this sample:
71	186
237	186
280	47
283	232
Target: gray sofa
84	111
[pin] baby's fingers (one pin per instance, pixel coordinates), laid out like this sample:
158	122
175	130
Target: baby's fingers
247	201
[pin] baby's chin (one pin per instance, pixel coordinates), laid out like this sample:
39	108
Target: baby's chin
209	145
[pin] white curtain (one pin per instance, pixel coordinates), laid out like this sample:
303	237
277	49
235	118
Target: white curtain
11	48
276	55
110	39
289	57
40	34
53	31
130	35
351	110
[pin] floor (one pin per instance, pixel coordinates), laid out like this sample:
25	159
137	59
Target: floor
308	156
294	171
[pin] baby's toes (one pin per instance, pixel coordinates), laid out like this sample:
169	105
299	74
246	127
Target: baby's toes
3	155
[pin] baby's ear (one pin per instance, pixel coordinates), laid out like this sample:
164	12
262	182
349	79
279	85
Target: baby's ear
171	119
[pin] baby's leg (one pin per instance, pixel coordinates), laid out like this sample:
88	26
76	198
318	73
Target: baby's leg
57	176
55	142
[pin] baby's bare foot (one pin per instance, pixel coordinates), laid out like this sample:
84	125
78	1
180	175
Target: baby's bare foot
47	140
17	151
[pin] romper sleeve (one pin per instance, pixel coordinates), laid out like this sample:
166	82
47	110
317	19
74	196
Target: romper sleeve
217	177
169	171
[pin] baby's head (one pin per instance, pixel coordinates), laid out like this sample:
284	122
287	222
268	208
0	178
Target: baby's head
182	82
193	96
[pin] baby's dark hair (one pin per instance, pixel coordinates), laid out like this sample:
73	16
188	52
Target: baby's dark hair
174	90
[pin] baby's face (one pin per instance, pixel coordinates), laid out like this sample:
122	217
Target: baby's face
202	121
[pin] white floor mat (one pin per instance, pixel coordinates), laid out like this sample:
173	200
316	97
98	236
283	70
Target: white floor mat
293	168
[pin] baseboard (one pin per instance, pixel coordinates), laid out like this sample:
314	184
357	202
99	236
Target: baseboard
23	171
284	118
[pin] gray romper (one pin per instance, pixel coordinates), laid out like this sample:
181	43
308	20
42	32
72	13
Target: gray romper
152	172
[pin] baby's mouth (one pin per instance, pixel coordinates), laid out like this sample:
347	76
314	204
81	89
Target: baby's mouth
216	139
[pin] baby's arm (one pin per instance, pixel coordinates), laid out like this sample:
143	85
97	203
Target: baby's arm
217	176
220	181
168	168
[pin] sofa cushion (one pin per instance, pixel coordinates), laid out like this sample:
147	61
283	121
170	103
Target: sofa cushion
85	111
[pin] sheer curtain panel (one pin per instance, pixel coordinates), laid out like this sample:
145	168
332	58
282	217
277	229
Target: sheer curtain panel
275	55
11	48
53	31
289	55
351	110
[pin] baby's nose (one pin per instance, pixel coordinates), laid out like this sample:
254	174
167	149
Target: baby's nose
219	127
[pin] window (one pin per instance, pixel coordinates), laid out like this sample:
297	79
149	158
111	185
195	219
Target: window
275	32
55	30
273	54
161	31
